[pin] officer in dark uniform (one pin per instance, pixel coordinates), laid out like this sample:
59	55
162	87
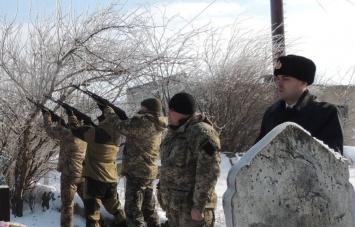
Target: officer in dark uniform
296	104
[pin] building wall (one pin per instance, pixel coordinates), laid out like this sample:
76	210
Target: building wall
341	96
163	91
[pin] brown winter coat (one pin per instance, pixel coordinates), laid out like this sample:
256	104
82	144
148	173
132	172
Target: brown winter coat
103	145
72	150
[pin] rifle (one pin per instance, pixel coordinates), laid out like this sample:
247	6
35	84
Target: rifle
119	112
54	116
87	120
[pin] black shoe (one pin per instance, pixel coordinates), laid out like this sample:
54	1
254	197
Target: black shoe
122	224
165	224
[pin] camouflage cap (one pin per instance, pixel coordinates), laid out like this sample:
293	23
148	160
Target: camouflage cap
152	104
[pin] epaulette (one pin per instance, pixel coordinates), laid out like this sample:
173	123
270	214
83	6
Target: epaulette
323	104
326	105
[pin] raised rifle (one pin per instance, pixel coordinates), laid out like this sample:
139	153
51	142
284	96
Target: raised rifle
87	120
54	116
119	112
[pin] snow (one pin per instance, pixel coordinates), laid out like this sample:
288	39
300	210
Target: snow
51	217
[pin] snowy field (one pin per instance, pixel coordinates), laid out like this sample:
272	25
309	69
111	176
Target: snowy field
51	217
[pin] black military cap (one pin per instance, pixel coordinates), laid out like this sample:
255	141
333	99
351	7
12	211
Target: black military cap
296	66
183	103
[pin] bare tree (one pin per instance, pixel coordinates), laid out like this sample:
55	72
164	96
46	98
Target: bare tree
233	91
226	74
104	51
178	49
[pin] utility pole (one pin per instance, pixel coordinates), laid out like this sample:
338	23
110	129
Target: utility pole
277	28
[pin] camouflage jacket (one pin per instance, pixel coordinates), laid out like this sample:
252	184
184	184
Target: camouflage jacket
102	149
71	149
190	158
143	137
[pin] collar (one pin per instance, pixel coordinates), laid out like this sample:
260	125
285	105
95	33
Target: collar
305	98
290	105
181	123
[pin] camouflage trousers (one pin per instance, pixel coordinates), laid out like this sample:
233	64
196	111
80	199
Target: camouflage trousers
183	219
106	193
69	185
140	203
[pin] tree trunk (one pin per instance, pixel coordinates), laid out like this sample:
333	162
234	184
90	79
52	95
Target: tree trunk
17	205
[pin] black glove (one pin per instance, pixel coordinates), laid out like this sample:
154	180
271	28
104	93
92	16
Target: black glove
44	111
101	106
101	117
68	110
102	103
55	118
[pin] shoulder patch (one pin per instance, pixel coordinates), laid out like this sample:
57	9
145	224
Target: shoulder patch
209	147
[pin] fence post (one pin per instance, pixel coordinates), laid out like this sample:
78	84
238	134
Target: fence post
4	200
5	203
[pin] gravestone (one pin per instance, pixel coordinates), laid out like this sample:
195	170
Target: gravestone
4	193
4	203
289	179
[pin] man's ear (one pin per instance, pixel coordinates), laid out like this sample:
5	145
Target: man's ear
304	83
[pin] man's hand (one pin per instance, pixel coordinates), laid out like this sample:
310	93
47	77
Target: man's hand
196	215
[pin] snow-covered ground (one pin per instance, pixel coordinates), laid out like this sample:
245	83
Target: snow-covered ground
51	217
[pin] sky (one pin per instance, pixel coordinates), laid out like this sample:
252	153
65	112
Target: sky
321	30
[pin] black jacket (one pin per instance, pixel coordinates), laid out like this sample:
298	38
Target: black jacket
321	119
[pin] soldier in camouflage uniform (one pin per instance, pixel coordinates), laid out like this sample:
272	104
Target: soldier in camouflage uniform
190	158
143	137
100	170
71	155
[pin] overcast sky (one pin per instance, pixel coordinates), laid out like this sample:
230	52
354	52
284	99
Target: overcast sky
322	30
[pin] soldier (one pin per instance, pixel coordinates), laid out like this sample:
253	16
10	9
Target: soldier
99	170
143	137
71	155
296	104
190	158
45	200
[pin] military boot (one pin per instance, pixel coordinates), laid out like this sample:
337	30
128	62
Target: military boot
120	219
92	223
